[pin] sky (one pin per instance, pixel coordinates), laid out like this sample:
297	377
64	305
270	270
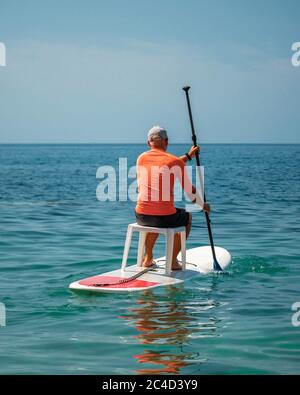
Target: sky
98	71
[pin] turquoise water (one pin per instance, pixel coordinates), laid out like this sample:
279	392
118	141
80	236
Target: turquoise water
53	231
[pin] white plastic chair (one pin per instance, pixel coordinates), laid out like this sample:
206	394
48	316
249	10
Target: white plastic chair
169	234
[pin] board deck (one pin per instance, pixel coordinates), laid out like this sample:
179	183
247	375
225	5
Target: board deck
199	261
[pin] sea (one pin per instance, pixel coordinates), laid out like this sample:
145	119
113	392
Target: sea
54	229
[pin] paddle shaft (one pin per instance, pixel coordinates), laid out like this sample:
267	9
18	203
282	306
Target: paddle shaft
194	138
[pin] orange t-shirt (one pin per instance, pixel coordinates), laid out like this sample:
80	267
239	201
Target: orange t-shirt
157	171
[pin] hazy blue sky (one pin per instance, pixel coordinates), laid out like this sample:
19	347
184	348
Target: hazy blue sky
106	71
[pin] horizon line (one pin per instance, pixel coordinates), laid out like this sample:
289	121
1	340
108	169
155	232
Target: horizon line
144	143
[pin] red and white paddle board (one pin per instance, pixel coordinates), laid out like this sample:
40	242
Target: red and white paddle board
198	261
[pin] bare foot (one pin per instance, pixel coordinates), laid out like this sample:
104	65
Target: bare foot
176	266
147	263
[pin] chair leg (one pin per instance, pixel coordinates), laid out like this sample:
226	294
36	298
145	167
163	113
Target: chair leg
141	248
183	249
169	251
127	247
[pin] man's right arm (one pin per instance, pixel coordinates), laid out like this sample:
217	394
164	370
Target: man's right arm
190	189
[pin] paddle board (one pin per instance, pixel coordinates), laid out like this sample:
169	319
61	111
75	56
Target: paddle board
198	261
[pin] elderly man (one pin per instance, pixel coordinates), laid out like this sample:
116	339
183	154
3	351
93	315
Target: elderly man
157	171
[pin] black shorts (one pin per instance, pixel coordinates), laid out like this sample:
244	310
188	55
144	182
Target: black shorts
180	218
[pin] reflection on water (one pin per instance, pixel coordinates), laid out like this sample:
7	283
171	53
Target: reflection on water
170	318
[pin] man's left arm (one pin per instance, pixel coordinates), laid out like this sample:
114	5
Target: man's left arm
190	155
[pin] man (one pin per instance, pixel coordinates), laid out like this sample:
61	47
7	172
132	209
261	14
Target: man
157	171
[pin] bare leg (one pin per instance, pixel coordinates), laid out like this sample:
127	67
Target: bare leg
177	244
149	244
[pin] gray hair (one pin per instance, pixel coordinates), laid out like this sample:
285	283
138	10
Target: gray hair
157	133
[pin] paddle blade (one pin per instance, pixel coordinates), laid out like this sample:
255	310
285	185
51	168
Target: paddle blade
217	267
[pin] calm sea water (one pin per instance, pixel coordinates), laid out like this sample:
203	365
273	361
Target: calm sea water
53	231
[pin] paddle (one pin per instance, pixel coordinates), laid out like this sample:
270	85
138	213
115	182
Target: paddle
217	267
